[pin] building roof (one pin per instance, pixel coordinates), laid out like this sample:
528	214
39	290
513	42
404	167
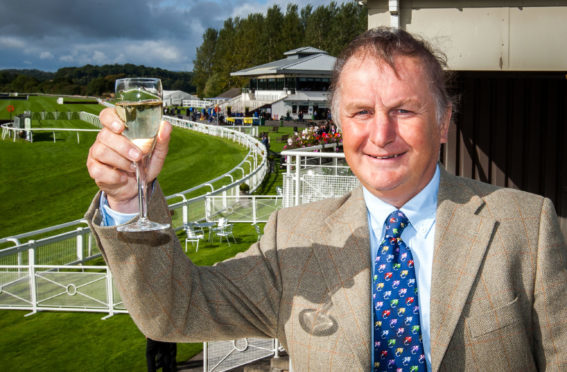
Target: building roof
304	50
177	95
302	96
300	61
231	93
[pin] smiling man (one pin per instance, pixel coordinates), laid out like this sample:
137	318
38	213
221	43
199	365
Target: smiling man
415	270
391	132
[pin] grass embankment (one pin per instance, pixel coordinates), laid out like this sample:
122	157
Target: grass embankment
46	183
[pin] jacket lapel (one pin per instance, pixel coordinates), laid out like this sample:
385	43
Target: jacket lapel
461	240
344	258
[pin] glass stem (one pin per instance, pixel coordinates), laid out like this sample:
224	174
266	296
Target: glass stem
142	188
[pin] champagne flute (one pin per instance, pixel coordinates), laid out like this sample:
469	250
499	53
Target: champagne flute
139	105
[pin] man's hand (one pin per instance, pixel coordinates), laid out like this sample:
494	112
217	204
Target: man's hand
111	157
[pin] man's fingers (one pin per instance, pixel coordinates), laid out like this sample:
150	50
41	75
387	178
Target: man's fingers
105	175
120	144
160	150
110	119
162	142
105	155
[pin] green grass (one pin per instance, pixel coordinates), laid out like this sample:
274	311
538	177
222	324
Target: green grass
50	182
46	183
44	103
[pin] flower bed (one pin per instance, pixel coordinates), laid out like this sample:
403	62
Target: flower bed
313	136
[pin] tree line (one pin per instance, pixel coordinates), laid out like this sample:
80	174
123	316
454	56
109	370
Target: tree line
88	80
246	42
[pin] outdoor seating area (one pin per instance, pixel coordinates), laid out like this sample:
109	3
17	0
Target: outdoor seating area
224	231
194	235
218	232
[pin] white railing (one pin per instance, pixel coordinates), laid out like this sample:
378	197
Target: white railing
50	273
8	130
92	119
312	176
23	265
196	103
29	132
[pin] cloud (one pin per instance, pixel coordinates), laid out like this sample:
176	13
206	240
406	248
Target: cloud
8	42
45	55
157	33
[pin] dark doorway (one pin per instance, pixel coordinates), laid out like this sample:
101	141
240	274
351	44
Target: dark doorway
511	131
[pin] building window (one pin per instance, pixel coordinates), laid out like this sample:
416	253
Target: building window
290	83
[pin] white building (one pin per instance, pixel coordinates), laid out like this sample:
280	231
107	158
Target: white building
287	87
176	97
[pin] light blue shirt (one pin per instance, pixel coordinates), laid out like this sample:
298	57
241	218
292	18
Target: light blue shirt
418	236
110	217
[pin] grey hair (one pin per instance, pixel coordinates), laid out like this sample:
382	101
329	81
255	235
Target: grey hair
385	44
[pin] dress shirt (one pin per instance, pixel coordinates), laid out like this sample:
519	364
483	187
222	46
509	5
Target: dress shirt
110	217
418	236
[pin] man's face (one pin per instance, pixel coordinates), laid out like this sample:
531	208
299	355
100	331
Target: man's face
391	137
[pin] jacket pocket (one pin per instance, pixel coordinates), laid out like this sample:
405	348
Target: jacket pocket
495	319
499	339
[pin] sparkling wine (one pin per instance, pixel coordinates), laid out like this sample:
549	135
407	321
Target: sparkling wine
139	103
146	145
142	120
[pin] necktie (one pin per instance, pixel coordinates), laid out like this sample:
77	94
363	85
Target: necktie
397	334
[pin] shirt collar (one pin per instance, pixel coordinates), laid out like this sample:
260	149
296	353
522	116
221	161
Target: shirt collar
420	210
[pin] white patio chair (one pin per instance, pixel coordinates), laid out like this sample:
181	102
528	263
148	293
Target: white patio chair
194	235
225	232
220	224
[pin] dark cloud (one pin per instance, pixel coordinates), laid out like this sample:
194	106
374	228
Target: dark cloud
49	34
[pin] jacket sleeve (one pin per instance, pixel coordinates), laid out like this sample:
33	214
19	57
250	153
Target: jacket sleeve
550	294
172	299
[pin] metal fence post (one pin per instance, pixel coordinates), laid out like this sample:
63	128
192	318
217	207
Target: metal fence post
297	181
205	357
109	293
336	165
31	275
254	208
276	348
80	244
208	207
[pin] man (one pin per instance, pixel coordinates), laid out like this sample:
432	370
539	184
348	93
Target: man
483	269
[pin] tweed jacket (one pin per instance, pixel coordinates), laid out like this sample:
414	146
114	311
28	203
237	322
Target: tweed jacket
498	291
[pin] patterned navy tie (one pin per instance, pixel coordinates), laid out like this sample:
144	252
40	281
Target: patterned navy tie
397	334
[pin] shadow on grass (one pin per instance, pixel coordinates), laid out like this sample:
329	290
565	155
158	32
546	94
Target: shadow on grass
45	137
273	177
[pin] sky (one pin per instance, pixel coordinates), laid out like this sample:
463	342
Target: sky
50	34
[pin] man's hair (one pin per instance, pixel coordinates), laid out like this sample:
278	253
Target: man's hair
385	44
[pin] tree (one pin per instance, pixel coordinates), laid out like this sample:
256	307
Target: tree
273	46
351	20
23	83
258	39
224	60
204	60
292	30
319	26
249	49
215	86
